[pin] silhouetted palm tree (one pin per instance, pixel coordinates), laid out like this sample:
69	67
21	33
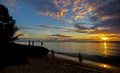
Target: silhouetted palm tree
7	26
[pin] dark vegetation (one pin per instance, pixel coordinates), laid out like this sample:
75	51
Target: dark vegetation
10	52
7	27
13	54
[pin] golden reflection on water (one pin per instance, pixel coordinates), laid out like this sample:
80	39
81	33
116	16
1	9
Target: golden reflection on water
105	66
105	48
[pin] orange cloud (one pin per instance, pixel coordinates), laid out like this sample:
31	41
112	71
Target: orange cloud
62	12
109	17
75	5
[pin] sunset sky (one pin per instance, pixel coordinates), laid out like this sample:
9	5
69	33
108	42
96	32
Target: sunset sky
71	20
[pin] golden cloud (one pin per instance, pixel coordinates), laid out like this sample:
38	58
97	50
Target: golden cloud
62	12
78	16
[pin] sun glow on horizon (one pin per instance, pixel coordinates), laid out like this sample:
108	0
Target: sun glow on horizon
105	38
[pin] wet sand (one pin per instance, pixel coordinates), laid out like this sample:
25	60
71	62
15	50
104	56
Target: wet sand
90	62
56	65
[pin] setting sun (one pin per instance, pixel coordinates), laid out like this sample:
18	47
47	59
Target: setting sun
105	38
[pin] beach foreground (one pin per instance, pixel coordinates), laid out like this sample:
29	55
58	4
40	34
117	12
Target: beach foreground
56	65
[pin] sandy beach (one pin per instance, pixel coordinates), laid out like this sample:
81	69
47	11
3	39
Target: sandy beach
57	65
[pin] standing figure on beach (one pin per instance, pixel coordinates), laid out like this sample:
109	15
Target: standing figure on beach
80	58
53	54
41	43
29	43
32	43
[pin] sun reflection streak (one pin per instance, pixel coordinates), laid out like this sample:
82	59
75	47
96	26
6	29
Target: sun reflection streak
105	48
105	66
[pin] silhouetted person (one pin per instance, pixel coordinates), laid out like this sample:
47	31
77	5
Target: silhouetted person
33	43
41	43
80	58
53	54
29	43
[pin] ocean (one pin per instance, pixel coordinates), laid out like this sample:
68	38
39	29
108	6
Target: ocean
105	52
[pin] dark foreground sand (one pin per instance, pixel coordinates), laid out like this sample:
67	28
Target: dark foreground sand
57	65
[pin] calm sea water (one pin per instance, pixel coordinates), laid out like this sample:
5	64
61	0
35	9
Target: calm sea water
101	49
102	54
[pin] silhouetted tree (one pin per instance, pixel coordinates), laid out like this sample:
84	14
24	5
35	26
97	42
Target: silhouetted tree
7	26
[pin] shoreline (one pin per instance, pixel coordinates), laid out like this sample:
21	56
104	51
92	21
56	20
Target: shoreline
56	65
89	62
109	59
113	61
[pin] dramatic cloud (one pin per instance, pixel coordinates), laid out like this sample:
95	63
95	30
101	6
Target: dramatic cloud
50	8
107	12
108	26
80	8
